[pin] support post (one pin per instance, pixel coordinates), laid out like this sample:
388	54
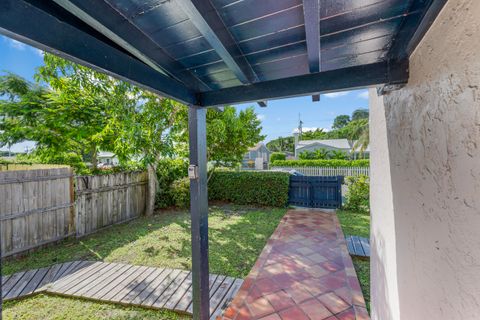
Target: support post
197	173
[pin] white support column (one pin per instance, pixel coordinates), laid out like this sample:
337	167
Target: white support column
383	264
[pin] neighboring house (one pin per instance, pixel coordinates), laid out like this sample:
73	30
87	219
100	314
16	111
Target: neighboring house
332	144
106	158
256	158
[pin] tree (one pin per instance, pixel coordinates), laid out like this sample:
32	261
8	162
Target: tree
360	114
281	144
313	135
33	112
229	135
340	121
83	111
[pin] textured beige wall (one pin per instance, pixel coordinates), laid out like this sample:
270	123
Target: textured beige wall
433	136
384	292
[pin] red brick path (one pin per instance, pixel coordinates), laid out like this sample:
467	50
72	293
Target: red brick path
304	272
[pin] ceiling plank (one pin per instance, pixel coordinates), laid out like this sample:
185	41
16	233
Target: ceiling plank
323	82
103	17
54	34
311	14
207	20
414	26
262	104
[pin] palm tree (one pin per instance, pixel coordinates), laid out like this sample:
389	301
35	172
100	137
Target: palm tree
360	136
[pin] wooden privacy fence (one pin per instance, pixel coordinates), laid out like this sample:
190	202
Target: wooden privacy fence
36	207
41	206
108	199
328	171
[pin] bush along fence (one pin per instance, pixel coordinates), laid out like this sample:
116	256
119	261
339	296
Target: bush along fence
328	171
246	187
321	163
42	206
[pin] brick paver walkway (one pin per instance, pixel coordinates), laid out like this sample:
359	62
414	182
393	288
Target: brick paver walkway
304	272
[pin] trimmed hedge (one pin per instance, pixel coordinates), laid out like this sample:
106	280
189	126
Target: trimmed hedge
278	156
322	163
250	187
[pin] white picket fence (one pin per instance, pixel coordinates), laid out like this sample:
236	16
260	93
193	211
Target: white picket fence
328	171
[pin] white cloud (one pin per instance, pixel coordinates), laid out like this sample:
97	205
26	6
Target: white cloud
336	94
363	94
39	52
16	44
261	117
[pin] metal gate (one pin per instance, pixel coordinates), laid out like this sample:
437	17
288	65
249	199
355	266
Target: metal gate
316	192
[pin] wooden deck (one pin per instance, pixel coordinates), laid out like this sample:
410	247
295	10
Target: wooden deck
158	288
358	246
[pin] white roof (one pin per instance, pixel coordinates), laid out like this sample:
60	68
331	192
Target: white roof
341	144
105	154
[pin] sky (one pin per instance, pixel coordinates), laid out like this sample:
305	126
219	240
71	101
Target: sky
279	118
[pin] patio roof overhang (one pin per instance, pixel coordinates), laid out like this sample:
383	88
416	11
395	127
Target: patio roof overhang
216	52
208	53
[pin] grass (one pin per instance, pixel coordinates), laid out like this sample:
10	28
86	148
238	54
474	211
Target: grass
354	223
44	306
358	224
237	235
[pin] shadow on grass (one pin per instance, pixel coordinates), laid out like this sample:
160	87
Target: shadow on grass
237	235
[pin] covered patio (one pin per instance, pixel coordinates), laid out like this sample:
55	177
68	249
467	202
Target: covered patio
210	53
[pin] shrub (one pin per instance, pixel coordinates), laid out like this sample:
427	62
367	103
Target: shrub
169	170
246	187
180	192
277	156
358	194
322	163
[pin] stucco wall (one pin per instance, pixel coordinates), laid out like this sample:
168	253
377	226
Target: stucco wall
384	289
433	138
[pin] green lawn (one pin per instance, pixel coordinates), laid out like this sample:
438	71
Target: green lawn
237	236
358	224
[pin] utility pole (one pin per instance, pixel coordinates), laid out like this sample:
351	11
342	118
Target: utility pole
300	125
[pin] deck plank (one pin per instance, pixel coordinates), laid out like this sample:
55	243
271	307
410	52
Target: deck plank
156	291
170	290
90	290
365	245
130	297
350	247
358	247
187	298
21	284
88	277
47	280
213	289
237	283
179	292
68	281
34	283
5	279
158	288
124	284
114	281
12	281
133	284
220	293
67	269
